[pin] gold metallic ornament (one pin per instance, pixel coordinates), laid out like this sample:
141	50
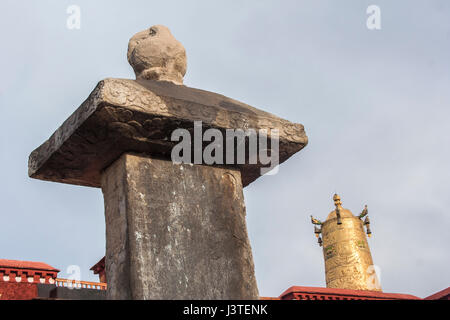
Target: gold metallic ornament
348	261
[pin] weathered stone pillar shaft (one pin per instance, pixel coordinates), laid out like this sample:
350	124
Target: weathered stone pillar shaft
175	231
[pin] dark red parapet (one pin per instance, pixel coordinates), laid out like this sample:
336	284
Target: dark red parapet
317	293
441	295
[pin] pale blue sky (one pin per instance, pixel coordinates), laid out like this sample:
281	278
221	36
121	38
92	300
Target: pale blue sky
375	105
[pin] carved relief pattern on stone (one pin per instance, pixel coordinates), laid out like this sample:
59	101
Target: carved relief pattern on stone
129	93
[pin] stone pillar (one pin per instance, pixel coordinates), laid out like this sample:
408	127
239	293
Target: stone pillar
175	231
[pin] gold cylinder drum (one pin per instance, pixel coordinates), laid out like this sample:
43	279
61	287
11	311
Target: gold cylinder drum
348	262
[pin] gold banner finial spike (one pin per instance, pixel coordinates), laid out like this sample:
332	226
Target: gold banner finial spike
338	204
364	212
367	224
337	200
315	221
317	231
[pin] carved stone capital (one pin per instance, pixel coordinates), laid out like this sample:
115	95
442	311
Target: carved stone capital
139	116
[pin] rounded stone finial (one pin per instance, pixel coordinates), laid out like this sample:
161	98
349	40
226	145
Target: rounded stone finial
155	54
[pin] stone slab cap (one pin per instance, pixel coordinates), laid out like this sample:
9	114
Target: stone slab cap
139	116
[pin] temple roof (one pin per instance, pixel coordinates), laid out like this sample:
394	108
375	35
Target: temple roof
17	264
441	295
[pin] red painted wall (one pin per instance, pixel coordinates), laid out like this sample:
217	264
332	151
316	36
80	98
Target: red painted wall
17	291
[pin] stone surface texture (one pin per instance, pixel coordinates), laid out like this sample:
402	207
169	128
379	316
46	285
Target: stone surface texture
139	116
155	54
175	231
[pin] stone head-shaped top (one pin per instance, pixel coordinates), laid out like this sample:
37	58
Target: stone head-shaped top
155	54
